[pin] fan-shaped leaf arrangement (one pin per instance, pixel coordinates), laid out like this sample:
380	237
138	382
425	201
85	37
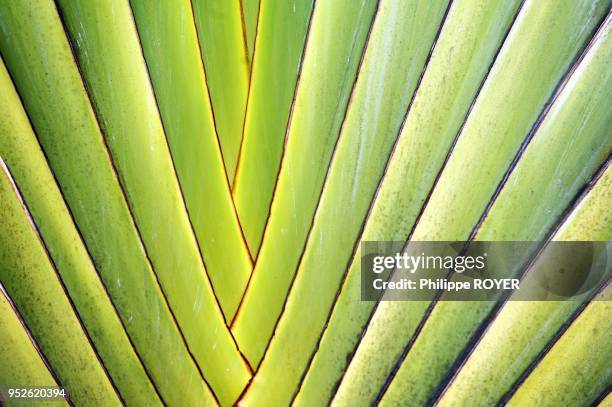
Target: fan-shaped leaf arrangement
185	186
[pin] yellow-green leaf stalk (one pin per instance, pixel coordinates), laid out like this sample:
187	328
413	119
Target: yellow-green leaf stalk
115	71
281	34
567	149
522	329
20	149
226	60
30	278
38	56
338	33
177	75
402	36
453	77
22	363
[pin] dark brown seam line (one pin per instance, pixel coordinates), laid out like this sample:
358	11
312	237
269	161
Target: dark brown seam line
332	159
126	202
82	240
232	182
473	341
244	33
246	108
559	87
218	141
552	342
26	212
206	273
485	326
280	163
569	73
598	402
31	339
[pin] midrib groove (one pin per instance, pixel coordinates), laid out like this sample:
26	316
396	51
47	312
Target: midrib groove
251	60
244	33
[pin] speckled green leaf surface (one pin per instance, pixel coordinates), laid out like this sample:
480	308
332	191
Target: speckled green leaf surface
22	364
577	368
177	74
477	165
20	149
320	105
365	143
569	146
42	300
522	328
38	56
281	35
422	147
